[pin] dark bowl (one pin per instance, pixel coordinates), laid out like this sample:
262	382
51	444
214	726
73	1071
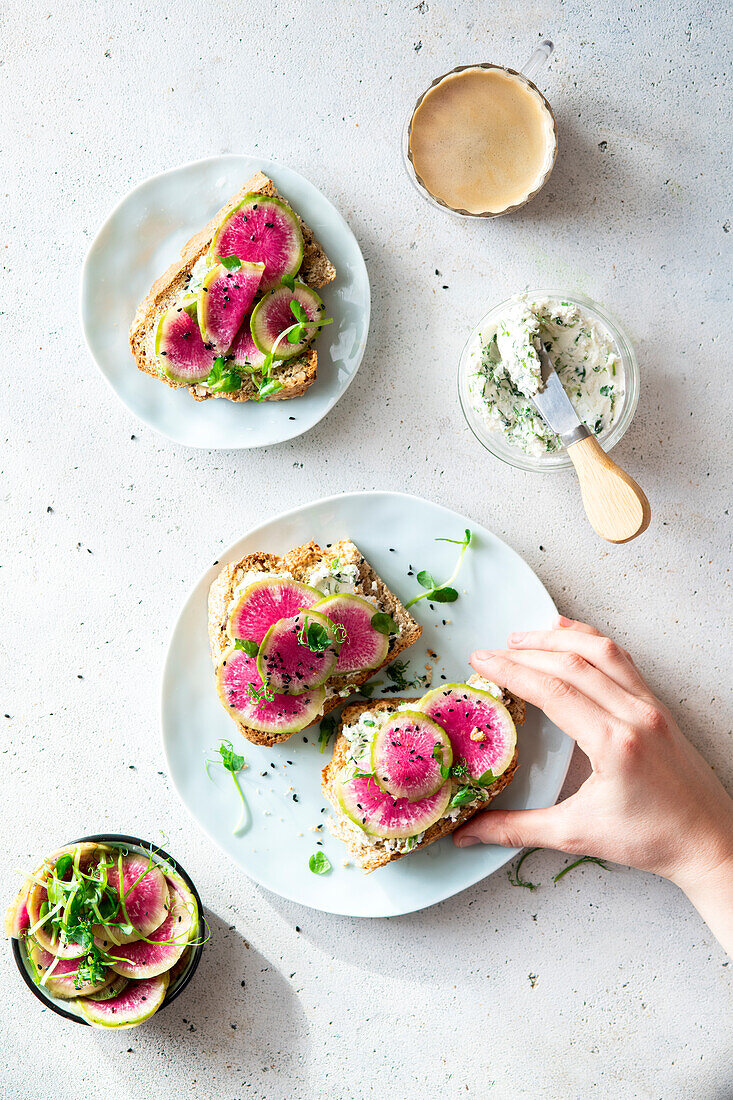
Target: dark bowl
181	982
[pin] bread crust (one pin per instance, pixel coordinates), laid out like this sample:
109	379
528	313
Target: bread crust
316	270
371	857
299	562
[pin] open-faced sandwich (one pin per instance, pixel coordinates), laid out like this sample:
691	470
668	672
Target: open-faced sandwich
235	317
406	772
292	637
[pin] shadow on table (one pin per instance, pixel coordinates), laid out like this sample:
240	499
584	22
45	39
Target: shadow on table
237	1019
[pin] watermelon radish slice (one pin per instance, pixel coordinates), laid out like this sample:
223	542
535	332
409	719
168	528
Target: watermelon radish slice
223	300
378	814
407	755
272	315
16	916
179	348
241	691
61	981
288	663
263	603
244	353
136	1003
145	896
45	937
480	728
362	647
261	230
84	855
164	946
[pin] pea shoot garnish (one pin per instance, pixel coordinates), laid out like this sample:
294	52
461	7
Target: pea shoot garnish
233	763
583	859
319	863
437	592
326	730
384	623
314	635
250	648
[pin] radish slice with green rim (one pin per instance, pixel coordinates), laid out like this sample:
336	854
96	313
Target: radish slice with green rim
263	603
408	753
179	347
223	300
273	315
299	653
480	728
241	691
261	229
377	813
362	647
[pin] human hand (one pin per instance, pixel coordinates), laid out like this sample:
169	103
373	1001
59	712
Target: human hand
651	801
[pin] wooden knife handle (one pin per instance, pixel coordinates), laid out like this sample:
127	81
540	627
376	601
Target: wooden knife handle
615	505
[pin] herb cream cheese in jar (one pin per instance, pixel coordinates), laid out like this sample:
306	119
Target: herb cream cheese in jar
500	372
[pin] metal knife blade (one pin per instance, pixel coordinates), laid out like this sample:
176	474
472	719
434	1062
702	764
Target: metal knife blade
553	404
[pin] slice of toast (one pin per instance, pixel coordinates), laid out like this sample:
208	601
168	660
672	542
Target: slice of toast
371	856
316	270
300	563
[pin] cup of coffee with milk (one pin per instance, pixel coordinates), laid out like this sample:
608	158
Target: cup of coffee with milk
481	140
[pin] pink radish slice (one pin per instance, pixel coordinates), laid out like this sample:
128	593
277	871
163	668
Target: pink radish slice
163	946
407	754
244	352
287	663
362	647
241	691
480	728
378	814
223	300
179	348
137	1002
146	894
265	230
264	603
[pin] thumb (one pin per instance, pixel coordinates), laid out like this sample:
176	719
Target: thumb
513	829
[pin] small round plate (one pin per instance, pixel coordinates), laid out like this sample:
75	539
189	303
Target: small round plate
498	593
138	241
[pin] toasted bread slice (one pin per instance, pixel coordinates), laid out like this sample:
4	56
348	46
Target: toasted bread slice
377	854
300	563
316	270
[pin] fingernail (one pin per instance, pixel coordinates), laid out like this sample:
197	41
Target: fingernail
481	655
515	639
563	621
468	841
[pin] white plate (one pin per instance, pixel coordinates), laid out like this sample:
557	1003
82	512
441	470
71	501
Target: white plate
498	593
145	233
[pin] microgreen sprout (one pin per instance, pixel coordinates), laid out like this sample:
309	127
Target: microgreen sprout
314	635
384	623
319	863
517	881
583	859
231	263
250	648
233	763
260	695
442	592
326	730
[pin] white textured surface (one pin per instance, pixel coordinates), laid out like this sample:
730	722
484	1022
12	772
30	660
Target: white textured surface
630	990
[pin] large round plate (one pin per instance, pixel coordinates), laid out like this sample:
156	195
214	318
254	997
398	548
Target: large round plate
145	233
498	593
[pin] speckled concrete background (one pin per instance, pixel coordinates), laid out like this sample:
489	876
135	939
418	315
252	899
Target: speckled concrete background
605	985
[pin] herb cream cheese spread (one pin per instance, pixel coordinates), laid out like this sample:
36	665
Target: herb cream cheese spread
504	370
